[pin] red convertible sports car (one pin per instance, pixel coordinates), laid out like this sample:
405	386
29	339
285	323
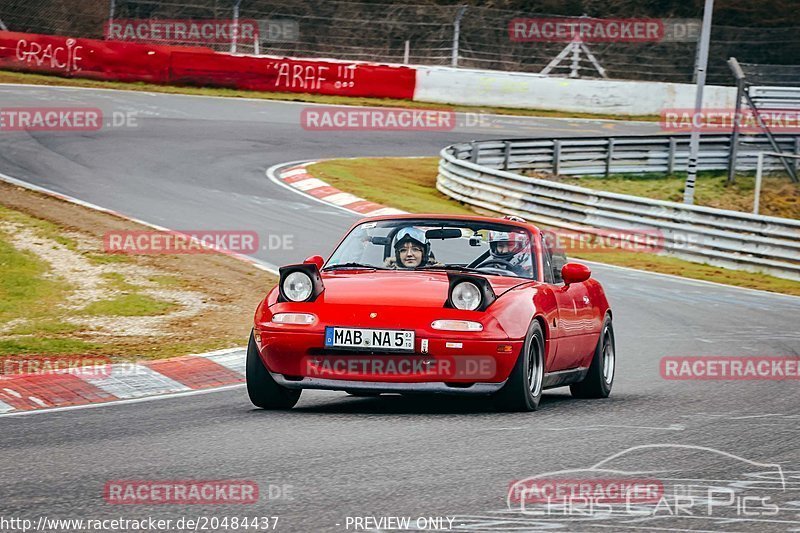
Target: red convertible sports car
434	304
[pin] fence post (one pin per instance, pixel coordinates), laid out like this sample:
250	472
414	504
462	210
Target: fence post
738	73
406	52
112	5
759	171
507	154
456	33
473	154
235	26
609	155
797	152
673	146
556	157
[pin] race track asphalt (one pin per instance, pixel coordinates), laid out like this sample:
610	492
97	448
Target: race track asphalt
199	163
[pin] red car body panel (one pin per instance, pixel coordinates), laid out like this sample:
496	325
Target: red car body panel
571	317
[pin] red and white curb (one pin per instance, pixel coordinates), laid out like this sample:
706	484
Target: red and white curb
297	177
122	381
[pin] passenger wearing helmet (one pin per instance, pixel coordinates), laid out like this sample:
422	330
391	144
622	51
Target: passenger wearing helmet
411	249
511	248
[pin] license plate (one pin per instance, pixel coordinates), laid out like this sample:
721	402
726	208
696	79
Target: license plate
369	339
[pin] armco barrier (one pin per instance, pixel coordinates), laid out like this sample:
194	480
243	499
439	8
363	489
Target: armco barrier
582	156
472	173
118	61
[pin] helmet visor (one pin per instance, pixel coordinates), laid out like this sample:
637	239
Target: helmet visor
411	233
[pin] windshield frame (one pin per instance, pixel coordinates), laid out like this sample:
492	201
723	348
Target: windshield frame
487	224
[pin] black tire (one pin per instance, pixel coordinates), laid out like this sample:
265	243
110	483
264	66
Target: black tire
264	392
523	390
600	378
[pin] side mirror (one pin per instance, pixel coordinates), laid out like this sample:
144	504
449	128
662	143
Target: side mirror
575	273
315	260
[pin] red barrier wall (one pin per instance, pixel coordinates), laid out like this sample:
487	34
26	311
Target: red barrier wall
85	58
294	75
112	60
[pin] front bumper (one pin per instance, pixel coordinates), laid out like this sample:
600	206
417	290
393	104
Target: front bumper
449	362
428	387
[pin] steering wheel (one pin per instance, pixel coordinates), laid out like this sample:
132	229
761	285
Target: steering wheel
502	263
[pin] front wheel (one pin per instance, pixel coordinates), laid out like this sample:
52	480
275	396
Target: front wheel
523	390
264	392
600	378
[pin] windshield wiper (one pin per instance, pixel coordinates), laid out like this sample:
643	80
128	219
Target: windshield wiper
458	268
450	267
353	265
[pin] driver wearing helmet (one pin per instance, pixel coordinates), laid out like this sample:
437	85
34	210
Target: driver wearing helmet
511	248
411	249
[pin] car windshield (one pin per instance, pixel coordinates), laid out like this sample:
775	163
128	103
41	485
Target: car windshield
461	245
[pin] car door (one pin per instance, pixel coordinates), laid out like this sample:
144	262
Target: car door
565	313
574	308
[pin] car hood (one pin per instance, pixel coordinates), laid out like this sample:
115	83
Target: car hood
402	288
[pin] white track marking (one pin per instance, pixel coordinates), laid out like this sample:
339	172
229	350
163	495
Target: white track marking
272	176
387	211
4	407
223	351
309	184
121	402
135	381
37	401
342	198
295	172
235	361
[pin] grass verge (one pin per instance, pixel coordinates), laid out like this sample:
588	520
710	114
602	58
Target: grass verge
62	295
409	184
779	196
7	76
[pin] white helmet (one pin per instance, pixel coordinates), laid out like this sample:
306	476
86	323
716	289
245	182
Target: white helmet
515	242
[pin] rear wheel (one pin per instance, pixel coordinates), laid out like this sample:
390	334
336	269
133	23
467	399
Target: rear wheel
600	378
523	390
264	392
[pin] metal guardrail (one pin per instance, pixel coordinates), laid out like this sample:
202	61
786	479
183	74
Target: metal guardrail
480	174
619	155
784	98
